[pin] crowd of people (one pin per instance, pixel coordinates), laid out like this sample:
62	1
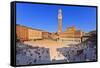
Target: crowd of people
79	53
26	55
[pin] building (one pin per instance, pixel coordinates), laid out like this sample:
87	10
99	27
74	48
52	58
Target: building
54	36
46	35
21	32
26	33
85	37
34	34
59	21
70	34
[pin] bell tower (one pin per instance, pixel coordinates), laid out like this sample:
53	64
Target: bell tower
59	21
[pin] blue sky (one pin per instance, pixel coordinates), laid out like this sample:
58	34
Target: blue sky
45	17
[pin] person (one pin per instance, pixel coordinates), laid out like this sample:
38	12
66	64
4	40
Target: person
35	60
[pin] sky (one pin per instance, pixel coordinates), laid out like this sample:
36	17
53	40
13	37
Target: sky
45	17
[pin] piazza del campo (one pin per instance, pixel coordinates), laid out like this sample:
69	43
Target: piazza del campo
45	47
